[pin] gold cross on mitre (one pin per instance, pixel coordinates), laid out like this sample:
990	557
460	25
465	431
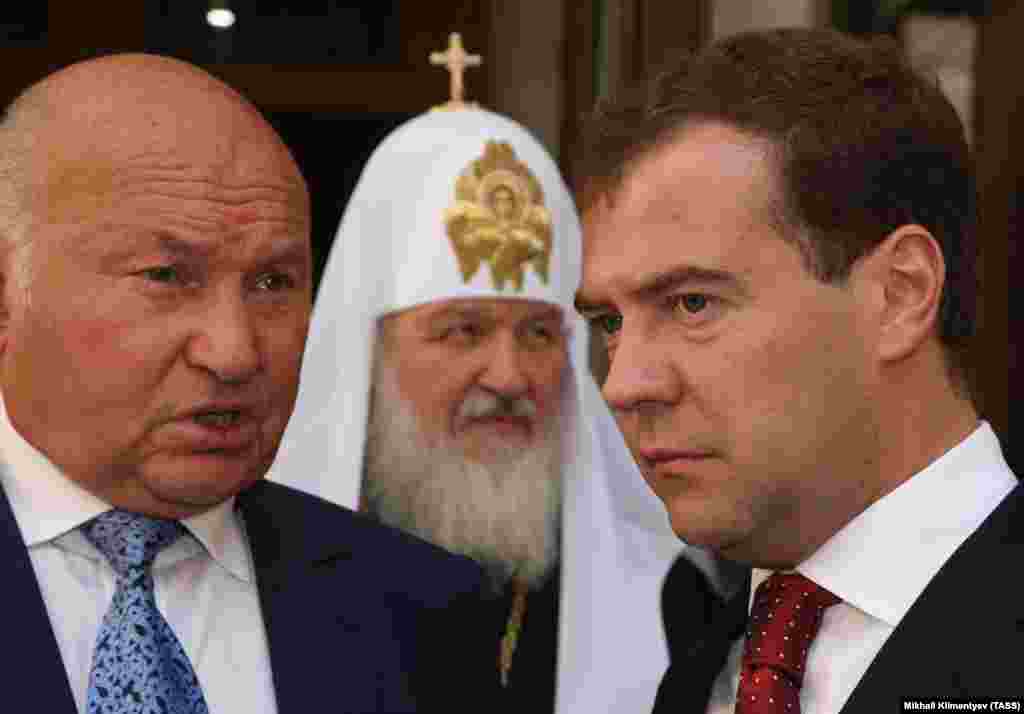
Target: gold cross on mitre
456	60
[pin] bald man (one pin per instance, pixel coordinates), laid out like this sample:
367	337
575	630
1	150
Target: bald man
156	293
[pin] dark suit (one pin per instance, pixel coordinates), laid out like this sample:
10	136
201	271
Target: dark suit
360	618
961	638
964	635
700	628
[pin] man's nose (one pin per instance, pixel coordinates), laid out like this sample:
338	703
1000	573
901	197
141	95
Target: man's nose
225	341
639	375
504	372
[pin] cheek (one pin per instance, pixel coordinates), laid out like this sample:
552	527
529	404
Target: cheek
434	390
87	346
93	320
97	337
284	347
778	392
549	383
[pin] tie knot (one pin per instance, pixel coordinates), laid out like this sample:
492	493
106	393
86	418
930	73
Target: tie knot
782	591
130	540
784	619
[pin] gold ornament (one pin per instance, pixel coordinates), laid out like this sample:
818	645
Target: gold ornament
507	649
499	217
456	60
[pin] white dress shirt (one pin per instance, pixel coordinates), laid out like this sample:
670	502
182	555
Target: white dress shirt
204	582
878	566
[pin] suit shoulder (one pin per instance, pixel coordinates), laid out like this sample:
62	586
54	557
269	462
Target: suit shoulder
306	523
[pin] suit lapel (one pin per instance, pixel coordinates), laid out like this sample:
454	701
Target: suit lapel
700	628
324	628
963	635
30	658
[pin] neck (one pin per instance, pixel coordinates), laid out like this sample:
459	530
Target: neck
913	431
917	432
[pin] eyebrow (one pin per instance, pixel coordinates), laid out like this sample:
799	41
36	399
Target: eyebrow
278	251
454	312
550	313
182	248
654	285
136	242
472	312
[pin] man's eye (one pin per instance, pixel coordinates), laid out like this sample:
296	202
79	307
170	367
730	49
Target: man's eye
541	332
608	323
463	331
163	274
275	282
691	303
696	309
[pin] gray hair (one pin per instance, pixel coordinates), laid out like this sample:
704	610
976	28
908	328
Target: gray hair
19	129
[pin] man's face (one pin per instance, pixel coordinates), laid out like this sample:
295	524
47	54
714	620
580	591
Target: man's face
740	381
485	373
464	444
155	358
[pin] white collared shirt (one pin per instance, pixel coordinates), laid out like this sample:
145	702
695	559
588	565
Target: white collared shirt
204	582
878	567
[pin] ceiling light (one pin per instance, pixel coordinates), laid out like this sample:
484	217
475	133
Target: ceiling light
220	15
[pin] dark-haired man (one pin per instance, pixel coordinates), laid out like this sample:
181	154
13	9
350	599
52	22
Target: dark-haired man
779	242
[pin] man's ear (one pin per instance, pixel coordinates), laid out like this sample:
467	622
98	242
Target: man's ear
910	272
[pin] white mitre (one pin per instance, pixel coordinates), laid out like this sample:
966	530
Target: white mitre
421	226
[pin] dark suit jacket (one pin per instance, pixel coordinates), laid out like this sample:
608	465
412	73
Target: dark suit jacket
360	618
963	637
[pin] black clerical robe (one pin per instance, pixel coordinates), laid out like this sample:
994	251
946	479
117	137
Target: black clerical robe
531	680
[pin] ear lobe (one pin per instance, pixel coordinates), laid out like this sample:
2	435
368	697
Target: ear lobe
913	273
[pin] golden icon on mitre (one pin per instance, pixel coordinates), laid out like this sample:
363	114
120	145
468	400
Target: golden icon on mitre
499	218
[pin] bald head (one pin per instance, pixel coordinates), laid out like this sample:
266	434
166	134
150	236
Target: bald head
135	109
156	253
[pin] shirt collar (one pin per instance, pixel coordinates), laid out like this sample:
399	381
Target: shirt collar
220	531
878	564
46	504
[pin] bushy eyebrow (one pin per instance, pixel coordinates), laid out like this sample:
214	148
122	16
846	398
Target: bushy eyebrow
654	285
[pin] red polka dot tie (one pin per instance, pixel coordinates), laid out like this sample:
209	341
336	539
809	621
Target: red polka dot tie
784	620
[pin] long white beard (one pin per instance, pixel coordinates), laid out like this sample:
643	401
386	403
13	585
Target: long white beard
503	513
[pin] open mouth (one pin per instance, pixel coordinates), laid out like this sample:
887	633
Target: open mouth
218	419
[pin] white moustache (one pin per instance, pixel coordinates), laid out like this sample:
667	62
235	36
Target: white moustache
483	405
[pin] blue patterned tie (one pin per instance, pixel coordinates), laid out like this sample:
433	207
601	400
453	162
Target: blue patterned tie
139	666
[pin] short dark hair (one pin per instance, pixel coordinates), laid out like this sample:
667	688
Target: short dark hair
861	141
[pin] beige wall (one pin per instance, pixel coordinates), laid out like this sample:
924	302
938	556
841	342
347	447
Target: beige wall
527	67
731	16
